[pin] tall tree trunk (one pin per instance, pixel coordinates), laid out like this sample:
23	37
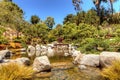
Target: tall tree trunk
97	4
111	3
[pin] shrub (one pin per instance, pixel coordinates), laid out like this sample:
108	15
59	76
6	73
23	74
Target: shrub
15	72
3	40
92	45
112	72
114	44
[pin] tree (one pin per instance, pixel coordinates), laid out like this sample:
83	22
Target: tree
77	3
58	26
111	3
80	17
50	22
7	0
69	31
9	14
92	18
98	4
34	19
37	31
70	18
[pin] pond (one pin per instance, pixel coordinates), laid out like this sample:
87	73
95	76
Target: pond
64	69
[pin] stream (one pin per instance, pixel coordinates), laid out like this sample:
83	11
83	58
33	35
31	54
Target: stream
64	69
73	74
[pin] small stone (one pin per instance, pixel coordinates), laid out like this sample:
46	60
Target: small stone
82	67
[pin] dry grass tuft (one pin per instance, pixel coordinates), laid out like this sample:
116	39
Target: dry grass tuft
14	71
112	72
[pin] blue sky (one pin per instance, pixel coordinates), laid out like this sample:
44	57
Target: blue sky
57	9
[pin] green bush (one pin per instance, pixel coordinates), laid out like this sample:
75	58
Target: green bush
3	40
92	45
18	40
114	44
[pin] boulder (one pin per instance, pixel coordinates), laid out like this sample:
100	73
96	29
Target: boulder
50	52
23	61
44	50
106	58
41	64
38	50
89	60
78	58
66	54
82	67
5	54
20	61
1	59
31	50
75	53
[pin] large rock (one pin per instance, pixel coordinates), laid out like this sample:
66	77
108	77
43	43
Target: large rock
31	50
50	52
5	54
1	59
38	50
23	61
75	53
106	58
89	60
20	61
41	64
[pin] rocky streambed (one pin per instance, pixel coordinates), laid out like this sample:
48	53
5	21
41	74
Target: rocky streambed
62	67
69	71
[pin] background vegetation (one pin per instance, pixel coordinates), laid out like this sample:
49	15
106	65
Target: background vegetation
92	32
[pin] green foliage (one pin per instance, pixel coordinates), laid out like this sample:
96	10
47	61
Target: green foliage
14	71
81	29
55	33
9	14
39	31
80	17
92	18
89	17
116	30
86	31
2	29
115	19
34	19
21	40
70	18
2	38
112	72
92	45
114	44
